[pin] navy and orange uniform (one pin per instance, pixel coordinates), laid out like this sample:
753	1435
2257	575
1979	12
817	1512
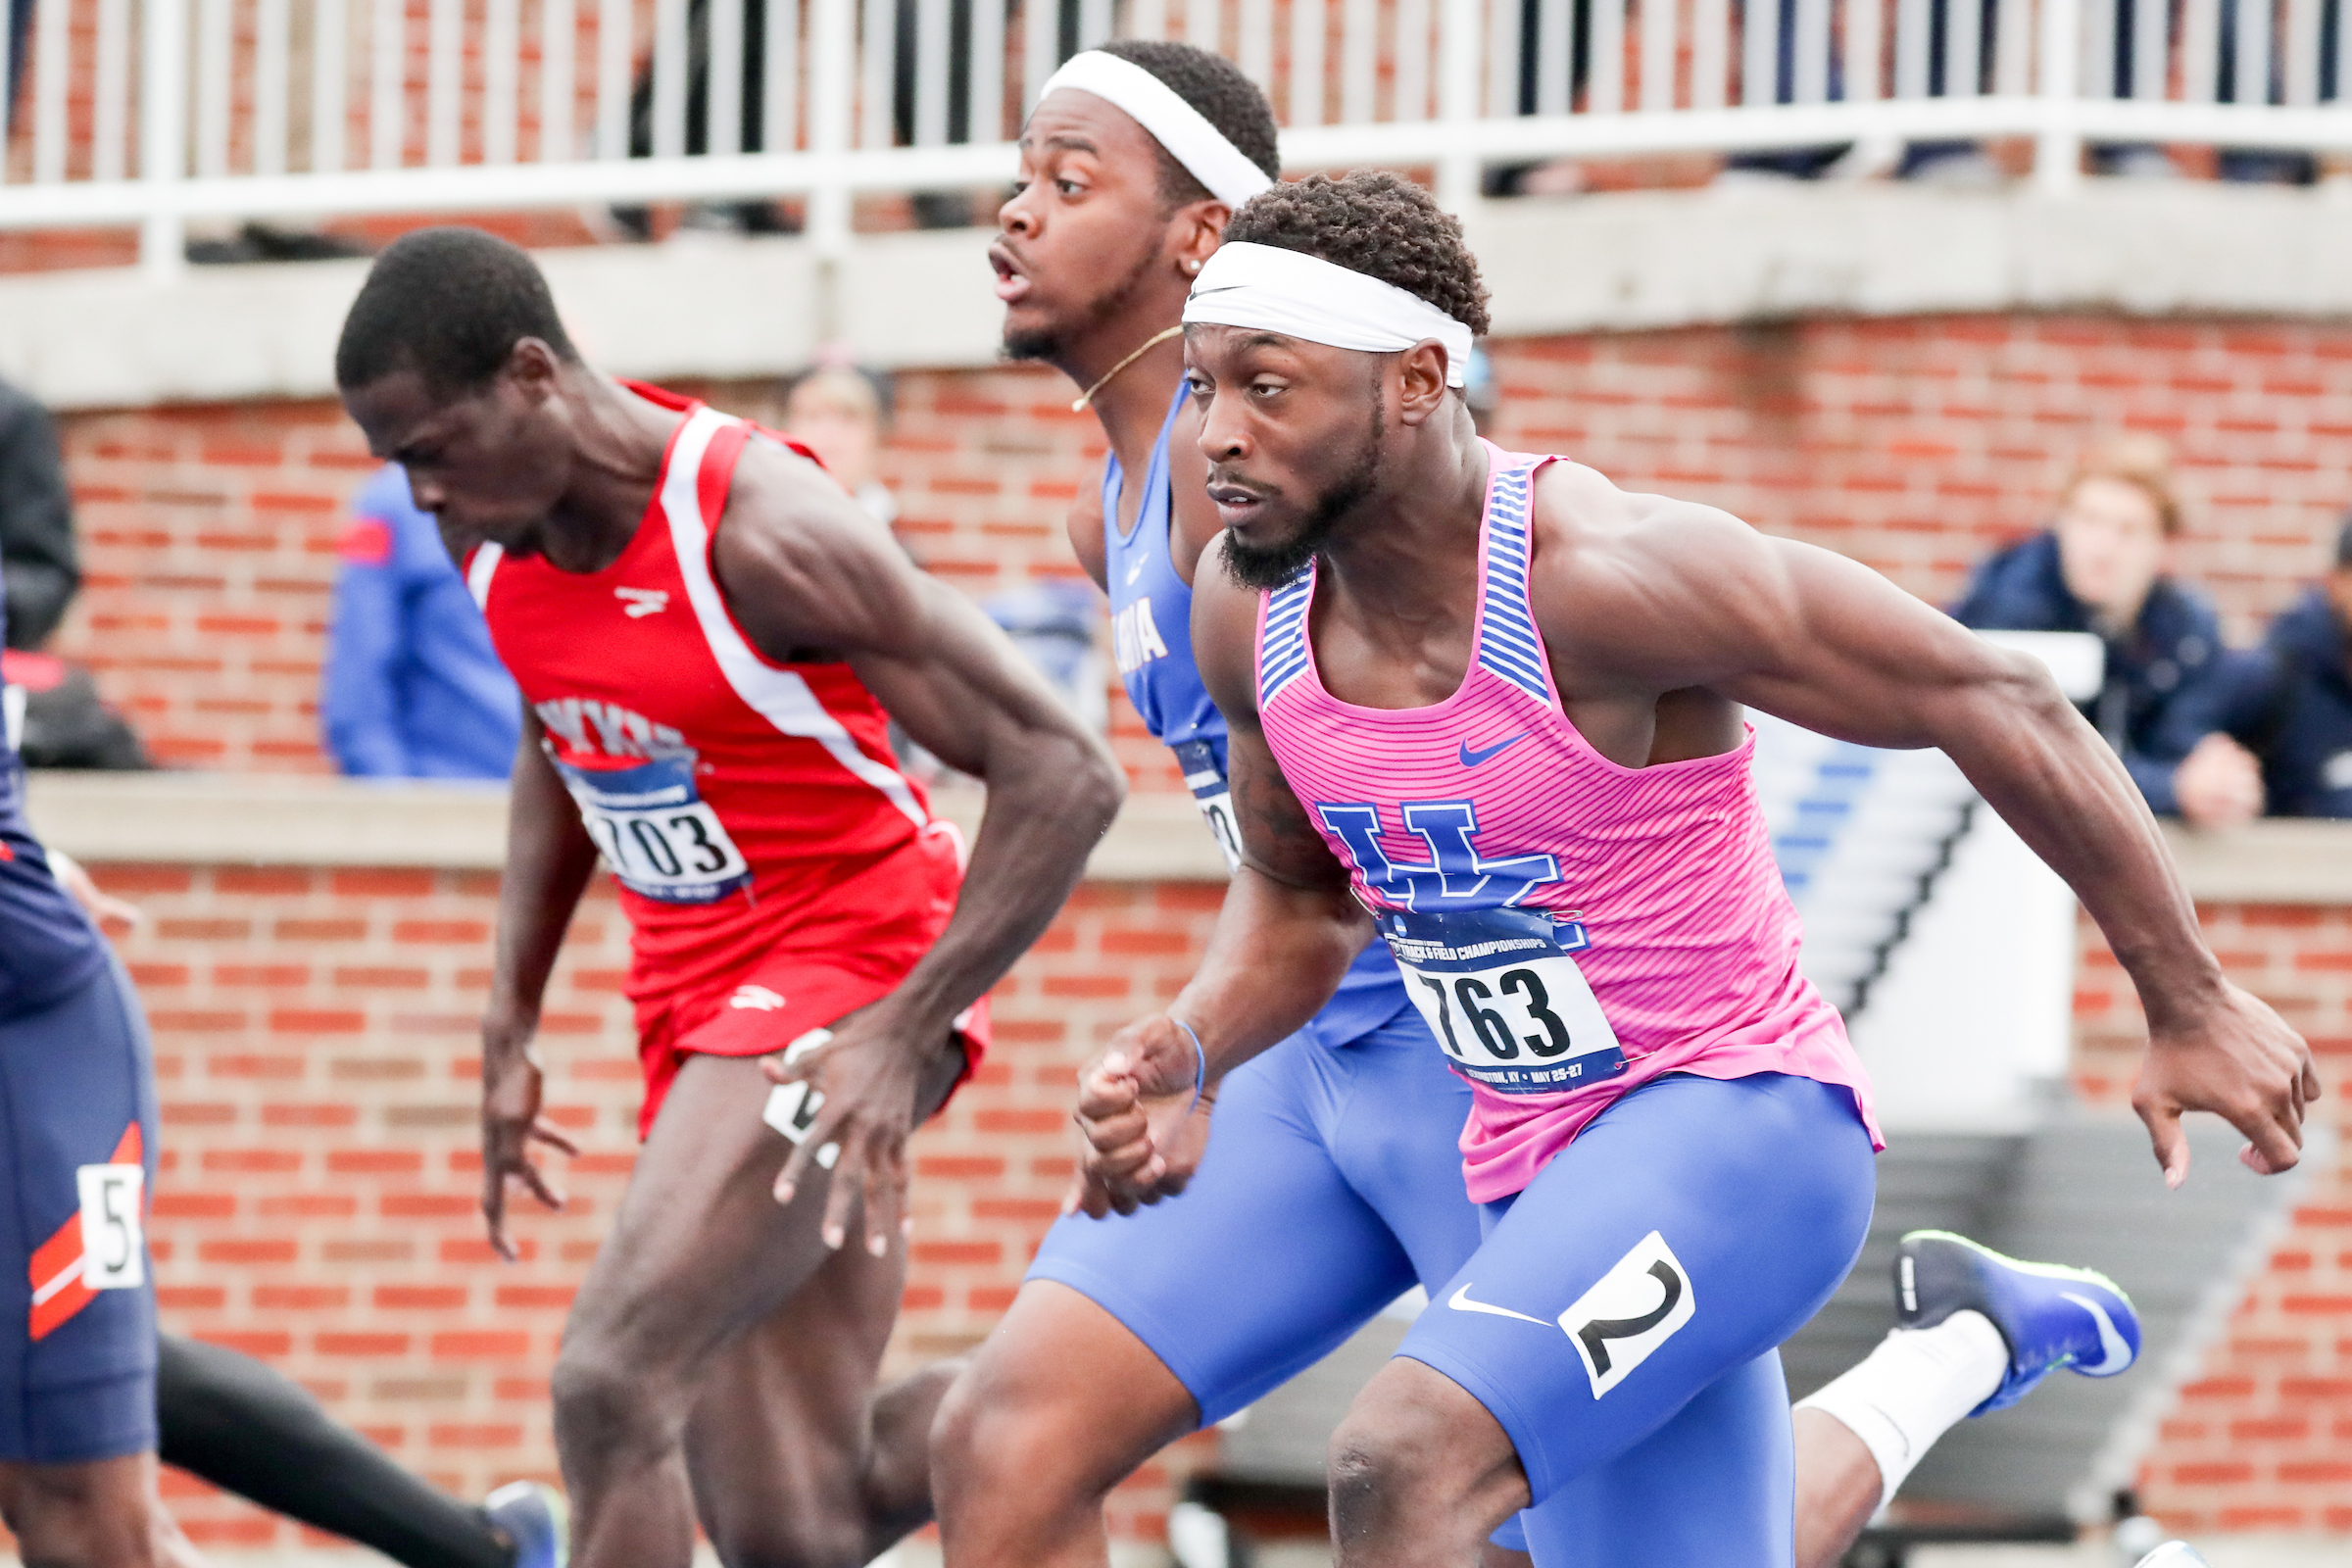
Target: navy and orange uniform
77	1126
777	868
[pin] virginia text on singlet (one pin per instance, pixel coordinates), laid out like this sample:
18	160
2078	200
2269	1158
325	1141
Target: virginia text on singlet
1152	640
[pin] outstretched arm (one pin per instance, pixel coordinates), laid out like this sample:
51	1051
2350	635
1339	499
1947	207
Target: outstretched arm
805	570
549	860
1284	940
1688	596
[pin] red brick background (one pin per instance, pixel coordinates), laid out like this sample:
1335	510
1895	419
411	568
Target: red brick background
317	1205
2262	1440
1911	444
315	1028
318	1200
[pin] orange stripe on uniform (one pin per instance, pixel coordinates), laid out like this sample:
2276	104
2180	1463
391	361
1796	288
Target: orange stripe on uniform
58	1291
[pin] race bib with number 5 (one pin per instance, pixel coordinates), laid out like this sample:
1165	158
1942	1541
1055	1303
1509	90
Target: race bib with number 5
1500	990
656	832
114	1239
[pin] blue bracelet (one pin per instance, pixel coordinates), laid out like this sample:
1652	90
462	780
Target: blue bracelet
1199	1061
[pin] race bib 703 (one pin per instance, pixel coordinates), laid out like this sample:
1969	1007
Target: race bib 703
656	832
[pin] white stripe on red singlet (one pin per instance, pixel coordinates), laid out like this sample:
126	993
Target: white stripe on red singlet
478	573
778	696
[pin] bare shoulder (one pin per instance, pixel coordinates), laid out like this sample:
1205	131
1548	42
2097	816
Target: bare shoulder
1225	637
802	565
1084	525
1621	579
1197	525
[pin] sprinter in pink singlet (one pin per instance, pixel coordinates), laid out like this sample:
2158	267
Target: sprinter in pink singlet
1487	707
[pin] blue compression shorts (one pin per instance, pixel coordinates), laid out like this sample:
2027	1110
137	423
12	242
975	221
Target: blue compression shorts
1622	1317
78	1137
1331	1187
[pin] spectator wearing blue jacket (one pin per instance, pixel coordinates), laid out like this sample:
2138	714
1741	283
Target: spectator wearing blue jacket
2099	567
413	689
2290	700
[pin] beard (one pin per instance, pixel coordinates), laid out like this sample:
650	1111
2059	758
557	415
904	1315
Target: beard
1050	343
1266	568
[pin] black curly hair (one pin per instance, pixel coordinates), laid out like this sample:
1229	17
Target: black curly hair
1375	223
1225	98
451	303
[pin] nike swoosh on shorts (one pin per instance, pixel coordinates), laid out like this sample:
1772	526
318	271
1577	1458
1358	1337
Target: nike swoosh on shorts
1460	1302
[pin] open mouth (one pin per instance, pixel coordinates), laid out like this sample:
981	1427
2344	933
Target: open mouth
1011	283
1235	504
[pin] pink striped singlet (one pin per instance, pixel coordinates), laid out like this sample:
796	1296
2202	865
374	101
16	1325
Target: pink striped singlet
1571	929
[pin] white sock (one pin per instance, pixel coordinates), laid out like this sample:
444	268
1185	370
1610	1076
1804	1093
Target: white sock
1913	1389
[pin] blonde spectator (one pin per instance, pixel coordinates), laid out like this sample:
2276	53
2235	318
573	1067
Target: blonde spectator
2102	567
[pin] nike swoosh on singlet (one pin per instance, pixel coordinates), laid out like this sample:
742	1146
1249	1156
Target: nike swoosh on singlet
1471	758
1460	1302
2114	1354
1133	572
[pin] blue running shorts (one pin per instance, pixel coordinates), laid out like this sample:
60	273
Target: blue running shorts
77	1140
1332	1186
1622	1317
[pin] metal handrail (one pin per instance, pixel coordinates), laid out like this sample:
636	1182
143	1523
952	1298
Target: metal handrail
315	108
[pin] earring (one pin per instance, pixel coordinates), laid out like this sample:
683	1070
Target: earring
1191	266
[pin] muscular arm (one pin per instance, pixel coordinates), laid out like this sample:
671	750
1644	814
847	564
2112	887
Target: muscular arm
806	571
1285	936
1668	597
803	567
1290	925
549	860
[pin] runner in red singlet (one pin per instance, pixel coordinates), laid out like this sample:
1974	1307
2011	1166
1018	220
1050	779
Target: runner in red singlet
707	632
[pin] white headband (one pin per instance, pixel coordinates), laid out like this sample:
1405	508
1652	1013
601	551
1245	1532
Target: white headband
1175	124
1298	295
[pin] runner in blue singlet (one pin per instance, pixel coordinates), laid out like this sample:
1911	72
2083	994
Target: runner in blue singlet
1332	1181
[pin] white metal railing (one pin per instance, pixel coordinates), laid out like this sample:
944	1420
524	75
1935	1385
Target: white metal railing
285	108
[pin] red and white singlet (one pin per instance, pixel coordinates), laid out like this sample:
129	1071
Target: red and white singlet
777	868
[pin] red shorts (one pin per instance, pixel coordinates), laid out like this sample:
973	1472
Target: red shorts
823	970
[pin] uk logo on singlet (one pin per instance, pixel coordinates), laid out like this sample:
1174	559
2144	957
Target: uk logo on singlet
1498	985
1456	876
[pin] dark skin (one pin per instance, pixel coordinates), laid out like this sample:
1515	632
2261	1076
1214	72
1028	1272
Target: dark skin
1091	262
742	1349
1662	619
101	1513
1027	1448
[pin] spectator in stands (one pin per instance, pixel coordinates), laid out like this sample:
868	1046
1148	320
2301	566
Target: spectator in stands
62	721
2099	567
2291	700
36	521
841	413
412	689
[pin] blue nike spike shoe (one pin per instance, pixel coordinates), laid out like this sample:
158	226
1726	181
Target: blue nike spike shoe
534	1517
2049	1316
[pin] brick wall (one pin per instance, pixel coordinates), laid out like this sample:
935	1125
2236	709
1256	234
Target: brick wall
316	1058
1912	445
2261	1439
315	1027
